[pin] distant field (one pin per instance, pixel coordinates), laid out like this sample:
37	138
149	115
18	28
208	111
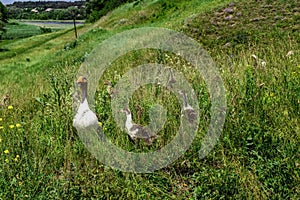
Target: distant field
17	30
28	28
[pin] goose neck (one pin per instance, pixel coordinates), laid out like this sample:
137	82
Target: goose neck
128	121
185	100
84	92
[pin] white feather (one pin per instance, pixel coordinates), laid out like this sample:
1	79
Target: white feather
84	117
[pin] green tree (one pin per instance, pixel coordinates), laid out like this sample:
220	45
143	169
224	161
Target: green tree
98	8
3	12
3	18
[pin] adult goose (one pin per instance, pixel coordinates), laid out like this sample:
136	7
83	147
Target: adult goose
85	118
187	108
136	131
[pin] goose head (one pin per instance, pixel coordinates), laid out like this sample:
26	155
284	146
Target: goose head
126	111
81	81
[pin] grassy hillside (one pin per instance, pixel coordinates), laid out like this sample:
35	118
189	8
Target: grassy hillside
257	156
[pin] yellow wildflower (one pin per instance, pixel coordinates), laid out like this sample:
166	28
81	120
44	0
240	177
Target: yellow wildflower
16	158
1	127
18	125
10	107
6	151
12	126
0	119
100	124
0	139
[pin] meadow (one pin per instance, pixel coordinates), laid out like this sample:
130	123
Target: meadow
15	30
255	45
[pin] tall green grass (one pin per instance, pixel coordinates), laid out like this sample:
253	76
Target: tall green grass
15	30
257	156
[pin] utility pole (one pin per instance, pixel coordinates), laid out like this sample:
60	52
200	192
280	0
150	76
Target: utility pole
74	12
75	26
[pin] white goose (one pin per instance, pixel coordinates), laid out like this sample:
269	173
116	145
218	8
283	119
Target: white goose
187	108
137	131
84	117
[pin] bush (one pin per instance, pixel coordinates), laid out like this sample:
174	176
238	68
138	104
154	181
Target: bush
45	29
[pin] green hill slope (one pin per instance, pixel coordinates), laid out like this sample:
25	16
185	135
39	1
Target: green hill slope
255	45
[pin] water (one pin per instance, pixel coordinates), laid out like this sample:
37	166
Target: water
52	24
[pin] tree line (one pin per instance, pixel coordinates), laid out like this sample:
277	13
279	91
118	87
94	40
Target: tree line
55	10
90	10
95	9
46	4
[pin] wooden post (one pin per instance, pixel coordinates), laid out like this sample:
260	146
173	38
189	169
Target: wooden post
75	27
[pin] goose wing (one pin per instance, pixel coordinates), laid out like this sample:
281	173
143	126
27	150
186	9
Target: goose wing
140	132
190	114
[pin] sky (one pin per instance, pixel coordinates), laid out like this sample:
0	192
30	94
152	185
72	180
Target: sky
11	1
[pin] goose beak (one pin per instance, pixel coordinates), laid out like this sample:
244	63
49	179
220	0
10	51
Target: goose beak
80	79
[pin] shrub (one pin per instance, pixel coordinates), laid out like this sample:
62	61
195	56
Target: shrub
45	29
